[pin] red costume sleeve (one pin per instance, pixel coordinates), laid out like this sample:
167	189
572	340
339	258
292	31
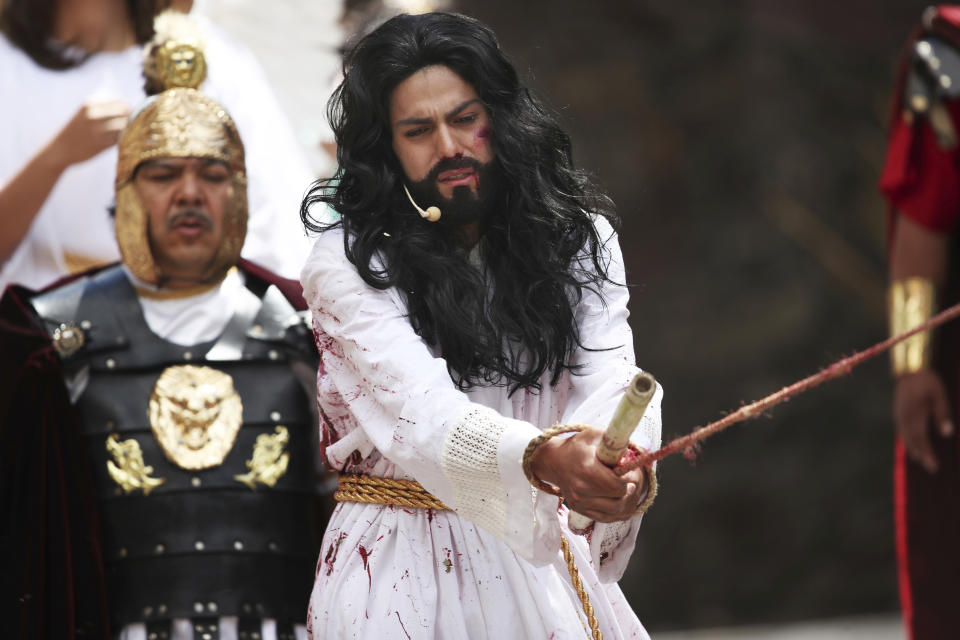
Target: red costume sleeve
920	179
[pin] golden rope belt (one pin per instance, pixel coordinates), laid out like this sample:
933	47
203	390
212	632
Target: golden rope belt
402	493
410	493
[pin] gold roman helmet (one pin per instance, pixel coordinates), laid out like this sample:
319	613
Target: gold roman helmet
178	122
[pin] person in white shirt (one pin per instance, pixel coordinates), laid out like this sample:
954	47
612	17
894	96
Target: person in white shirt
70	71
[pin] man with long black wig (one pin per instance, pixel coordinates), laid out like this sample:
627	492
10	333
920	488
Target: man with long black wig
468	293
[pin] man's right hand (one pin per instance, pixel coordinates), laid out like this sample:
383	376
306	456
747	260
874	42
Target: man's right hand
588	486
96	126
919	405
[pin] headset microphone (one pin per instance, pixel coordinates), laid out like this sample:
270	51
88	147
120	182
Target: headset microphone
431	214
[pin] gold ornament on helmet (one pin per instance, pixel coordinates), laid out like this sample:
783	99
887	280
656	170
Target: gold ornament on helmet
174	58
179	122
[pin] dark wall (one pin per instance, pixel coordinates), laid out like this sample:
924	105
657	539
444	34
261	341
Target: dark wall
742	142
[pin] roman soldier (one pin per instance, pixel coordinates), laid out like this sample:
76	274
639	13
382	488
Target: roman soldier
921	182
158	471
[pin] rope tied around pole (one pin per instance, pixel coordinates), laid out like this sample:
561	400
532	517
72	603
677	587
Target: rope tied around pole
841	367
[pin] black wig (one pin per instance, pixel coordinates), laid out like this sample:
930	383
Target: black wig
512	320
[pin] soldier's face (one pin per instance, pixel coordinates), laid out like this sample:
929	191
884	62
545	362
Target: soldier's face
185	200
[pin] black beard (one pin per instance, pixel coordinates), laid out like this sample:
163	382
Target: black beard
465	205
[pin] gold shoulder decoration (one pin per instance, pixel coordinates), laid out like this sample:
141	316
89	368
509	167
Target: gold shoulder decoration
174	58
269	460
127	468
195	414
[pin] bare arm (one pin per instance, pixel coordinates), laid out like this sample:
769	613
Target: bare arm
918	251
920	399
95	127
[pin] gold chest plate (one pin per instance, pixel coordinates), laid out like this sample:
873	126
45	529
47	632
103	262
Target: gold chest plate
195	415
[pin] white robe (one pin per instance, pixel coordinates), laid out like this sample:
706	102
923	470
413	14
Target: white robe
73	229
491	568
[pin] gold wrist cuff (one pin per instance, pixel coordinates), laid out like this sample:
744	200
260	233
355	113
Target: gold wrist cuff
911	303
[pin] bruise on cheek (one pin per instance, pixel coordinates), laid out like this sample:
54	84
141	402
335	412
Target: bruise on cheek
481	138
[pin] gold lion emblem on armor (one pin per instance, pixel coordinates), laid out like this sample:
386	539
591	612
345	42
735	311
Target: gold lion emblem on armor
127	467
195	415
269	460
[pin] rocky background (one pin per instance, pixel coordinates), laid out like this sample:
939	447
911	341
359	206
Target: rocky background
742	142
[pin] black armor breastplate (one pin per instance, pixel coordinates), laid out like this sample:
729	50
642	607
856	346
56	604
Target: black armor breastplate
203	514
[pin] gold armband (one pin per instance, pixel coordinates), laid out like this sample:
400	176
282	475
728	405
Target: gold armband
911	303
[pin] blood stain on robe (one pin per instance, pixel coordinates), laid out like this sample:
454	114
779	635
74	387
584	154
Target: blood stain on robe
447	563
332	552
401	624
365	554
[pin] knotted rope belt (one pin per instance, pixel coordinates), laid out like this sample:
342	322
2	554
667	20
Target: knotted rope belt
401	493
410	493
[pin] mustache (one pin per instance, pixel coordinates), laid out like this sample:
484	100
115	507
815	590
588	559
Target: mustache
449	164
192	215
